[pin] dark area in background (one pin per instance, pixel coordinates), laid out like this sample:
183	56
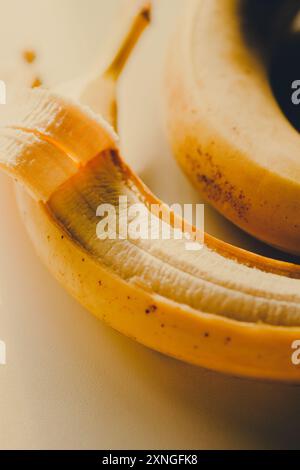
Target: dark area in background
259	20
267	29
285	68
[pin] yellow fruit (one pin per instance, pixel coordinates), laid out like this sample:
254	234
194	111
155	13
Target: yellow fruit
226	129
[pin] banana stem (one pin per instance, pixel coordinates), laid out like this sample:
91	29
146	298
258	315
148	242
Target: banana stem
97	89
131	37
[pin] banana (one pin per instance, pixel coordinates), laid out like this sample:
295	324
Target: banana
226	129
221	308
205	307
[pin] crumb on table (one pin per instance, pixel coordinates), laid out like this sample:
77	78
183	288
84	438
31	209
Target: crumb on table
37	82
29	55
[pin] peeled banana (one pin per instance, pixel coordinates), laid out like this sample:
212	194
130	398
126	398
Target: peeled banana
226	128
208	308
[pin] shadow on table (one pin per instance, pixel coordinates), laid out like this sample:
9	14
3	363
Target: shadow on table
262	415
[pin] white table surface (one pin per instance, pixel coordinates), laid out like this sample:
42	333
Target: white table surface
70	381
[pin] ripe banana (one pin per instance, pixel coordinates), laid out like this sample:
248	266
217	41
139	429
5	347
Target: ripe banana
221	308
226	129
207	308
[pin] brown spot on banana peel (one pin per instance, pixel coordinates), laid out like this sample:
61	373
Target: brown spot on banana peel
214	186
151	309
